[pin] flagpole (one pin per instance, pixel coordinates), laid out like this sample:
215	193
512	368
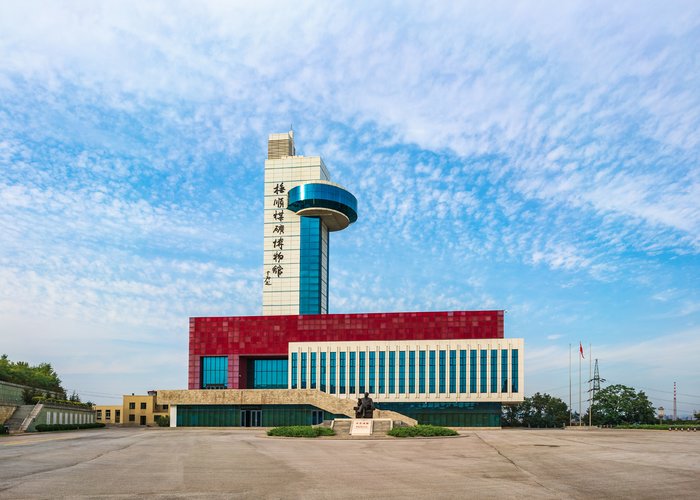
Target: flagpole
580	406
590	381
570	409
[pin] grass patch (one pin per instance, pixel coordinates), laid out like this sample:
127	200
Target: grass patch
421	431
661	427
297	431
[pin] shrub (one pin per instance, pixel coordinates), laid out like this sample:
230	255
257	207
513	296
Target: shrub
421	431
301	431
162	420
66	427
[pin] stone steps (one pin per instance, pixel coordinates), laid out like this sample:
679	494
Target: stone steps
21	413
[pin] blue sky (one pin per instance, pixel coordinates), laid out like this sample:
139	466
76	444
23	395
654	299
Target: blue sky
541	159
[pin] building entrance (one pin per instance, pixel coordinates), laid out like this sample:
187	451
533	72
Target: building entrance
251	418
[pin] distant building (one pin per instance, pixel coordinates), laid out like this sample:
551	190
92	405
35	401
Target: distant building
134	410
296	364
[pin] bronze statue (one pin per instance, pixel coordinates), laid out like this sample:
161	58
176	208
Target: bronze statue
365	407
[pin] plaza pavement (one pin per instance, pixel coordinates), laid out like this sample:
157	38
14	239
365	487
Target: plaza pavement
232	463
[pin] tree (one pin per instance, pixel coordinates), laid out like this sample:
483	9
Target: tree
41	376
620	404
538	410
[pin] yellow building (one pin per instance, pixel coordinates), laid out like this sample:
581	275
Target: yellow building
108	414
143	410
134	410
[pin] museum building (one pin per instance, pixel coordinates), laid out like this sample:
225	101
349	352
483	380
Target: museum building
298	365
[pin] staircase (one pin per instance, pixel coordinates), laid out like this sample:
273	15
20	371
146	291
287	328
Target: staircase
30	418
14	423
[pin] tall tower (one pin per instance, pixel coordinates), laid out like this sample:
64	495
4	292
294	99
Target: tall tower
302	207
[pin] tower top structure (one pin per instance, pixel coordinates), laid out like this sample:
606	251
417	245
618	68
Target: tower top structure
302	206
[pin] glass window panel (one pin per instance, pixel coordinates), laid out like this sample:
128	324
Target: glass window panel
494	370
392	371
361	381
431	373
472	371
504	370
341	373
313	370
331	375
214	372
421	372
351	372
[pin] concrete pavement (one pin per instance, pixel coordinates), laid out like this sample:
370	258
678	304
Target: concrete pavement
232	463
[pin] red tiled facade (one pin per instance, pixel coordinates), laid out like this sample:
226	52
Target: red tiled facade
242	337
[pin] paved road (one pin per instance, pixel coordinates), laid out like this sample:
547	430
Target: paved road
206	463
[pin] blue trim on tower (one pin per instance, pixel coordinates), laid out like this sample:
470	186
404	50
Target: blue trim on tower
323	196
310	269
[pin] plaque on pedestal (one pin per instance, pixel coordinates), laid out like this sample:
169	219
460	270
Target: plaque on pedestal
361	427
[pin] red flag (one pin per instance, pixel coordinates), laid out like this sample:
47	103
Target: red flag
580	350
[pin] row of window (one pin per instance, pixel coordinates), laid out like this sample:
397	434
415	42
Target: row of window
359	372
108	415
60	417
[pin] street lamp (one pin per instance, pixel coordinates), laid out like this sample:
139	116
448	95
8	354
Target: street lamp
661	414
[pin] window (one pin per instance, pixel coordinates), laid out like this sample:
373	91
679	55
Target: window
132	417
372	371
303	370
363	355
472	371
411	372
453	372
442	367
322	381
431	375
143	406
214	372
132	406
165	407
312	273
295	360
267	374
421	372
341	373
314	356
463	371
494	370
99	414
504	370
382	371
392	371
331	382
482	375
108	414
514	367
402	372
353	364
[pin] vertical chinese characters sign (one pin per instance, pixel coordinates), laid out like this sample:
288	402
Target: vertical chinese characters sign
279	204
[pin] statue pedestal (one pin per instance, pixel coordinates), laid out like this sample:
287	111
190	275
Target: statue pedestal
361	427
